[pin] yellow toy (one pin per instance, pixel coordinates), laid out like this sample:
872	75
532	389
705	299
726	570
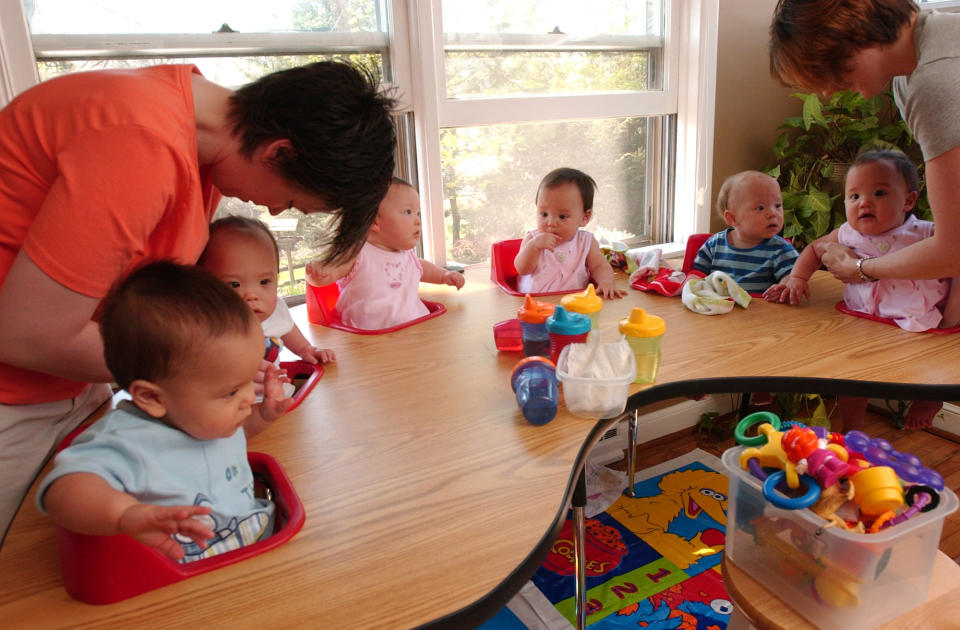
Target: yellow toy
771	455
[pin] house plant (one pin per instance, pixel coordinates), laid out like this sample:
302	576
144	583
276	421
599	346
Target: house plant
815	149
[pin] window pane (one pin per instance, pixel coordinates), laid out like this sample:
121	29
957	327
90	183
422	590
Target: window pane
229	72
491	174
206	16
500	48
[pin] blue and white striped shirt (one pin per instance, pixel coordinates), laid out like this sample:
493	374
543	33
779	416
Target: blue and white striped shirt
755	269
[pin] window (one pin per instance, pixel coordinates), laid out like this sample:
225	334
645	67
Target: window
494	94
231	43
622	91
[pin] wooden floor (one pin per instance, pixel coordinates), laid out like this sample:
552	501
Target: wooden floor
934	450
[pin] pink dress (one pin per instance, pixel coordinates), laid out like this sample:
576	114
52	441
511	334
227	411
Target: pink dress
912	304
381	289
563	269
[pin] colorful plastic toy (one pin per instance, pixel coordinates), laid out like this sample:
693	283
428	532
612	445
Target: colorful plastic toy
808	498
825	463
759	417
771	453
879	452
534	380
321	309
877	490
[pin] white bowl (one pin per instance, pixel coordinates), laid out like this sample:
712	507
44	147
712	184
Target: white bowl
590	397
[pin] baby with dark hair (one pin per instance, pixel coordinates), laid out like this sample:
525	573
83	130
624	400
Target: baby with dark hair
169	467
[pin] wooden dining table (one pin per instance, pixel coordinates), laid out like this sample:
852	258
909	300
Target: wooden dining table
429	499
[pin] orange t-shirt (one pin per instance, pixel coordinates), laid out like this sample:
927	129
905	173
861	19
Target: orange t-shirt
98	173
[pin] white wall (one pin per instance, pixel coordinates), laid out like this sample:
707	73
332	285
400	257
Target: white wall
750	104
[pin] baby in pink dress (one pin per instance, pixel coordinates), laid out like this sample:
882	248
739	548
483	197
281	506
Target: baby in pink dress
880	190
378	288
558	255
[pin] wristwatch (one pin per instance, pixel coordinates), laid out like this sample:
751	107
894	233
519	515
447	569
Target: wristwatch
861	273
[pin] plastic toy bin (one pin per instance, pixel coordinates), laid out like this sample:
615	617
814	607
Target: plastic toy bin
832	577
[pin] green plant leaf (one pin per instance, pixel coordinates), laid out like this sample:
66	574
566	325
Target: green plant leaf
815	202
812	111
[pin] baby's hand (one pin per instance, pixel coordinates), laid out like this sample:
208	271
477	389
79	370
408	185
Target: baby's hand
609	291
545	240
259	377
154	525
313	354
275	401
454	279
791	291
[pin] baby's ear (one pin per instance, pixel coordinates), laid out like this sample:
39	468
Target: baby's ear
587	215
149	397
729	217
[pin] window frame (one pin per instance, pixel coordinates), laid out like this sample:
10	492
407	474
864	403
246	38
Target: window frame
689	85
415	49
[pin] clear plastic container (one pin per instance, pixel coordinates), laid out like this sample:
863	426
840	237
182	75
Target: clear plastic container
589	397
834	578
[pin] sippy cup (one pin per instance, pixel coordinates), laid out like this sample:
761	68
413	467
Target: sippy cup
564	328
644	332
534	380
586	302
533	316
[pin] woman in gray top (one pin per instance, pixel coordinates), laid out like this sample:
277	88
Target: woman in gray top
862	45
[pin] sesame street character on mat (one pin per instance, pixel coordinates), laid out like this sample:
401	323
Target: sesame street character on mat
656	520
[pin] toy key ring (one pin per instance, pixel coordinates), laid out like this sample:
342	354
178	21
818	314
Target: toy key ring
806	500
757	417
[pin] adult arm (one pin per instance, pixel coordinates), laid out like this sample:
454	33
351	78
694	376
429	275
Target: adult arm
46	327
934	257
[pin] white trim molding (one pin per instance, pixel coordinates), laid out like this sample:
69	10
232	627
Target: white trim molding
18	70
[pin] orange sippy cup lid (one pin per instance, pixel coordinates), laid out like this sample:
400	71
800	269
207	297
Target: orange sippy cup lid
586	301
642	324
534	312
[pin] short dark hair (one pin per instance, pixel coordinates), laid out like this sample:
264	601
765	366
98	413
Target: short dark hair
566	175
343	138
812	41
899	160
242	224
151	319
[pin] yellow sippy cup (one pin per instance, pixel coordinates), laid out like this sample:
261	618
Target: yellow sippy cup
586	302
644	332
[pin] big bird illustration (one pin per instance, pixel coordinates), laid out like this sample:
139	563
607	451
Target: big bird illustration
657	520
